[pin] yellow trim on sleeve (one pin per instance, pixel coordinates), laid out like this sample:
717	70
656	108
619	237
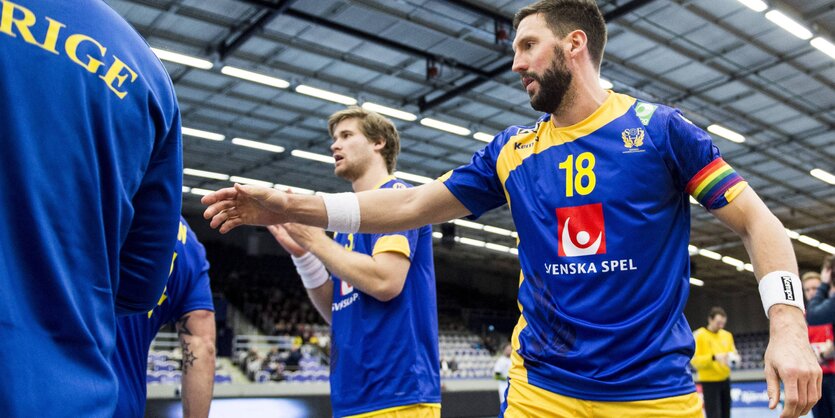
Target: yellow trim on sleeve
384	181
392	243
381	412
517	363
735	190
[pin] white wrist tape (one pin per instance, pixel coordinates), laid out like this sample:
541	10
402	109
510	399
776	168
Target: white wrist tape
343	212
311	270
781	287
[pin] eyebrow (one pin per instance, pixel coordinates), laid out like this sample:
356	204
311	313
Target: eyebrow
521	40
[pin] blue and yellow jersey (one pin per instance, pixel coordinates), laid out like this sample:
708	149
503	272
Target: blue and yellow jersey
92	164
187	290
385	354
603	218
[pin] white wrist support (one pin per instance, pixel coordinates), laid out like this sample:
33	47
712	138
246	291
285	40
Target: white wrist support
311	270
343	212
781	287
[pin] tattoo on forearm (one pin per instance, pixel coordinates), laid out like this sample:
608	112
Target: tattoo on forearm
182	331
188	356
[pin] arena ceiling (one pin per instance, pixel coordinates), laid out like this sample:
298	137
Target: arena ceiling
720	61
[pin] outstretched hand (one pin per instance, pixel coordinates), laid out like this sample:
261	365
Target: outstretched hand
232	207
789	358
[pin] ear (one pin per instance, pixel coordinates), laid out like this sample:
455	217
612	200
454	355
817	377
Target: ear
577	43
379	145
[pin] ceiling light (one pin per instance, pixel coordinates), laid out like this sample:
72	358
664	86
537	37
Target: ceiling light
792	234
696	282
824	46
726	133
412	177
186	189
312	156
257	145
437	235
483	136
468	224
388	111
203	134
444	126
205	174
254	77
514	251
497	247
826	247
606	84
497	231
739	264
182	59
710	254
693	201
692	250
470	241
325	95
254	182
755	5
749	267
789	24
808	240
823	175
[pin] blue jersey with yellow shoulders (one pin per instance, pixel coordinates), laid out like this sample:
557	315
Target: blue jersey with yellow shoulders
603	217
92	164
187	290
385	354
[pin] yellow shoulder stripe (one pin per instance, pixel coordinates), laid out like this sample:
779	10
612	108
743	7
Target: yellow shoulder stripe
392	243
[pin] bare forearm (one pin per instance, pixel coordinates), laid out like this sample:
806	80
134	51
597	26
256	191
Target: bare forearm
359	270
198	376
769	247
322	299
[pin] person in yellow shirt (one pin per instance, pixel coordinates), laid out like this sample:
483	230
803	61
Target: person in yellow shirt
715	351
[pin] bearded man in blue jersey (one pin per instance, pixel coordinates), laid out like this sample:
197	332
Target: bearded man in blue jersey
598	189
91	169
380	294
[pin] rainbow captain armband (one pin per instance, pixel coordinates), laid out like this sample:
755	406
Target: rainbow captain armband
781	287
716	185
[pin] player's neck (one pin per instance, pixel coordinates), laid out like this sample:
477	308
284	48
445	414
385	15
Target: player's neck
712	329
584	97
371	178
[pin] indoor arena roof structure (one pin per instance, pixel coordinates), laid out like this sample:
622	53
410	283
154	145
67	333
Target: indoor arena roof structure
257	79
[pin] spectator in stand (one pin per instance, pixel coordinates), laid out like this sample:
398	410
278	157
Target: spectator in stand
714	351
820	313
501	369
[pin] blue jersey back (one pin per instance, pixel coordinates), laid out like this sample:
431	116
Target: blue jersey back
604	223
92	163
187	290
385	354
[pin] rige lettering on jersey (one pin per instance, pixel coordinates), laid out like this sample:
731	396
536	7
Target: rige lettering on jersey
21	23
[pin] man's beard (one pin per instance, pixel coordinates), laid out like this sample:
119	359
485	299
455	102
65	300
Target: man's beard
553	85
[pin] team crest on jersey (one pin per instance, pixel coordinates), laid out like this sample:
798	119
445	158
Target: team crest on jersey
633	139
581	230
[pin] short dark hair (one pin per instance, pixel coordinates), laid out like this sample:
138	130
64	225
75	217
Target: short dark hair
716	311
565	16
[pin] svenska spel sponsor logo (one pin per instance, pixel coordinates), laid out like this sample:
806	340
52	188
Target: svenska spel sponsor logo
581	230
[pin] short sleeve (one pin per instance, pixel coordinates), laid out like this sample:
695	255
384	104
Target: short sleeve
477	185
699	166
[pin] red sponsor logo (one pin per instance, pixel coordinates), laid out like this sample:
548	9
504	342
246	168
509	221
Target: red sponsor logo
581	230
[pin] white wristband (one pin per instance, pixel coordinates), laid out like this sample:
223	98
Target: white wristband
343	212
781	287
311	270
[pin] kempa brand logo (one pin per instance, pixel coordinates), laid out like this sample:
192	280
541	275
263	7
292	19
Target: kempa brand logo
582	230
788	288
519	145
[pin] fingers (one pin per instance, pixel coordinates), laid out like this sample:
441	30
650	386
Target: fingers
222	194
230	225
812	395
218	207
772	386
